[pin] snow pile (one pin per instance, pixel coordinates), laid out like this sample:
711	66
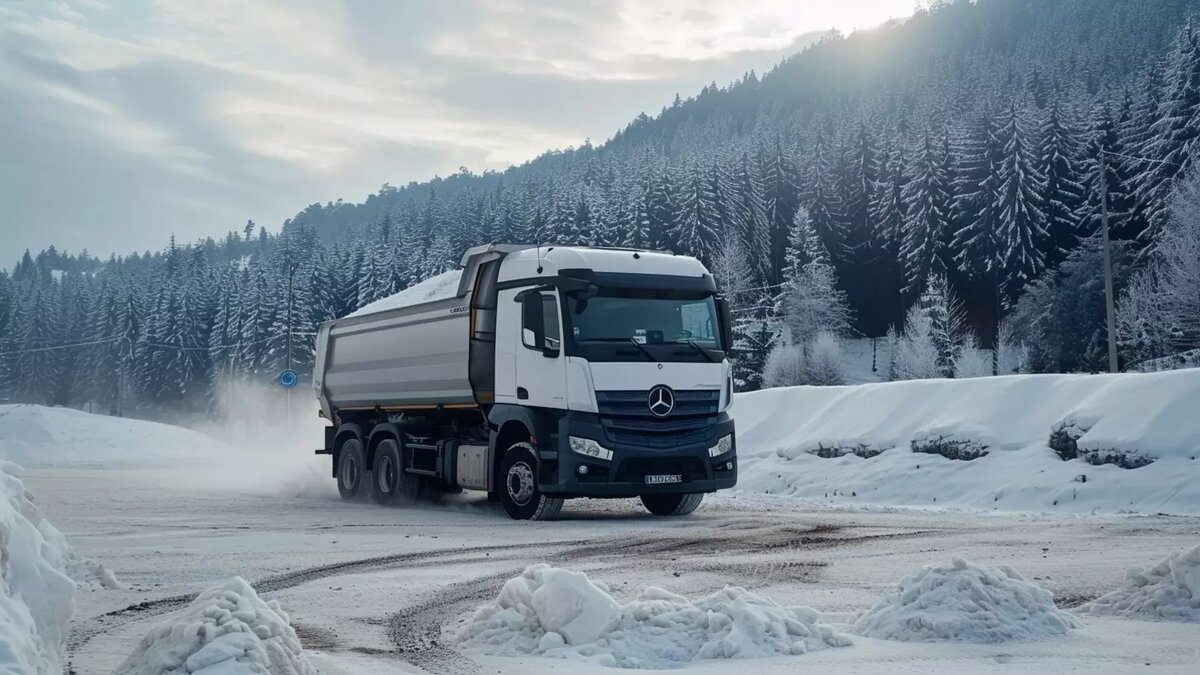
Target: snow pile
439	287
227	630
561	613
36	595
965	602
799	442
37	436
1170	590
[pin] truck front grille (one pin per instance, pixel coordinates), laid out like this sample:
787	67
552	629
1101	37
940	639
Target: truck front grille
627	419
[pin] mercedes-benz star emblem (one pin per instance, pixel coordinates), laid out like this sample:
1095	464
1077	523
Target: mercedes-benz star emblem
661	401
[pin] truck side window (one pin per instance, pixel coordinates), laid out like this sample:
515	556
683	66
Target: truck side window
550	324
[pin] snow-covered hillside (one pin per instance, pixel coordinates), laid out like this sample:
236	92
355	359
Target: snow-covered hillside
37	436
880	443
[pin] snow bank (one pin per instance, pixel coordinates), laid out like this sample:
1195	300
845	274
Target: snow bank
561	613
997	429
1170	590
227	630
965	602
439	287
36	595
37	436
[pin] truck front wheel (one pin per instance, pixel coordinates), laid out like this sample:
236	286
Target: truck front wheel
672	505
351	468
519	492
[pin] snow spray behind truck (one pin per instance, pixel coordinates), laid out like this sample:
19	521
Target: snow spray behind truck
545	373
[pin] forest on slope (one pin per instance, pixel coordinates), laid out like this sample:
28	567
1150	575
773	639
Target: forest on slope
957	154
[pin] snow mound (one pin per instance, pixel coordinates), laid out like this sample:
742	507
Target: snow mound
36	595
1132	443
1170	590
439	287
37	436
227	630
965	602
561	613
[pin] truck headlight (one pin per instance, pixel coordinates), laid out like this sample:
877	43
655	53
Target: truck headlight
723	446
590	448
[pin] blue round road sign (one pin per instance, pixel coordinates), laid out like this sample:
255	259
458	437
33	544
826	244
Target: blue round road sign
288	379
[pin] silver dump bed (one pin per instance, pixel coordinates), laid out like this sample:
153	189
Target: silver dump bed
409	356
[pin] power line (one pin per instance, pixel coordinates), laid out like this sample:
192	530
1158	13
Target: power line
144	343
67	346
1140	159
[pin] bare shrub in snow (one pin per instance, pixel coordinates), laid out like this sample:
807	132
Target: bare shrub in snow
560	613
226	630
950	446
785	367
1064	439
823	364
864	450
817	362
973	362
915	356
1012	355
965	602
1168	591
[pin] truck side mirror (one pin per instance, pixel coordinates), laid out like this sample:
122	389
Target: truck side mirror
726	325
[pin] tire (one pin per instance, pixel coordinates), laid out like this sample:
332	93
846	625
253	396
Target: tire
672	505
389	482
352	469
518	490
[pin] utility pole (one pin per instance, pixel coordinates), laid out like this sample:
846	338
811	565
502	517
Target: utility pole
288	392
1108	270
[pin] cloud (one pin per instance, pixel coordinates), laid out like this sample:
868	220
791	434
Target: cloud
637	40
127	121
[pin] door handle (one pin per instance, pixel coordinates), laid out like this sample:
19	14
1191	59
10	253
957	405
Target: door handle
522	393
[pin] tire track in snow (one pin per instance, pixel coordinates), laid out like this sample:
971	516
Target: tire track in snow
83	632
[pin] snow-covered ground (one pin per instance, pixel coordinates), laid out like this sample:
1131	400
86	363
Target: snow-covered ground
1003	580
33	435
383	590
855	445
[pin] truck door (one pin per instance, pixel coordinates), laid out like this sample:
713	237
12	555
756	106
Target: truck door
539	373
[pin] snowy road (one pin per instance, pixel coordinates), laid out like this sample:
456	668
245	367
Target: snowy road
372	589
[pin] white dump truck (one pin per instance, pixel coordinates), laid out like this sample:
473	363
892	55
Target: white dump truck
537	374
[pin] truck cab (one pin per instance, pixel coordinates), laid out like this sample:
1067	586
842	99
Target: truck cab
588	373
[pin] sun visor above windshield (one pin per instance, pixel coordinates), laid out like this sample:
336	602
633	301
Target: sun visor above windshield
648	281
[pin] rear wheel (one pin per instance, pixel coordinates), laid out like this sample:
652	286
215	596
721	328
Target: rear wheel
389	482
351	468
519	492
672	505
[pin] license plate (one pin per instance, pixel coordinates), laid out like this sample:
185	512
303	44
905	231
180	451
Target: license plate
664	479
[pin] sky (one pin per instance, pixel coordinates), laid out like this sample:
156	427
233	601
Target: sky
126	121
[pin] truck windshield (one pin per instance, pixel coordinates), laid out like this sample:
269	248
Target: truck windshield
647	317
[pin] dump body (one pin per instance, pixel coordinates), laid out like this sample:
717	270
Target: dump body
405	357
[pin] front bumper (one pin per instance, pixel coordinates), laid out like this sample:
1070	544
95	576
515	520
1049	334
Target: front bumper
625	475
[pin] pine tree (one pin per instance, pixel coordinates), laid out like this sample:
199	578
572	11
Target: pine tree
926	208
947	322
1022	235
1060	162
1171	146
698	219
780	180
